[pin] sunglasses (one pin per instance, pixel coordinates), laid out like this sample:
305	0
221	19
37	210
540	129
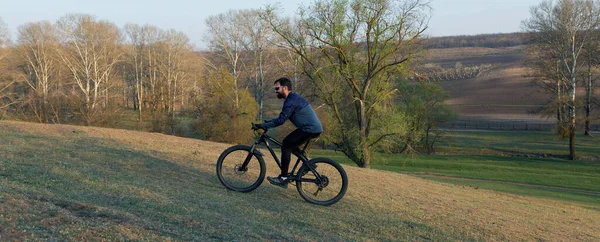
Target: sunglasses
277	88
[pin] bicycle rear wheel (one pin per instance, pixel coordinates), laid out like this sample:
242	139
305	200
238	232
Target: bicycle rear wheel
326	186
234	176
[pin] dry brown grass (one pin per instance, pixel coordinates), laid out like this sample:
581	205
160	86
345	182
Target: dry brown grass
460	212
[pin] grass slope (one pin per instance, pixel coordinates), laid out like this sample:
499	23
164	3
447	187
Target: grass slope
60	182
522	163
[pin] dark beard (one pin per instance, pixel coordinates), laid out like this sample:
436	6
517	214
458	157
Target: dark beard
280	96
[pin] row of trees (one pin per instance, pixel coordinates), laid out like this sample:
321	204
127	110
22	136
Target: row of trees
482	40
433	72
88	71
565	37
4	41
349	57
84	70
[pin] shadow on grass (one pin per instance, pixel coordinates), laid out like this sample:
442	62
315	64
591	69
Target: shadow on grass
100	182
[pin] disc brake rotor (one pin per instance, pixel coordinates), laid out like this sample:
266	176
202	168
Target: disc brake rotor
240	171
324	182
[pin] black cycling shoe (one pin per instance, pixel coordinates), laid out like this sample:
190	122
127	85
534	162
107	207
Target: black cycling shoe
280	181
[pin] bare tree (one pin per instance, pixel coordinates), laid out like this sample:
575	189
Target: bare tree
6	98
546	73
152	57
4	41
564	29
351	52
163	66
592	60
138	39
146	54
37	44
257	42
172	65
90	50
226	37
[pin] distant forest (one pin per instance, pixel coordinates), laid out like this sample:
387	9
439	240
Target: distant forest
483	40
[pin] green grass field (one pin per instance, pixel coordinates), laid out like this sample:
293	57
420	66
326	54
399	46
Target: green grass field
510	162
61	182
498	143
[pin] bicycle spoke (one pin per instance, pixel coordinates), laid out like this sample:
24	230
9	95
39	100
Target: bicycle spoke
234	175
324	187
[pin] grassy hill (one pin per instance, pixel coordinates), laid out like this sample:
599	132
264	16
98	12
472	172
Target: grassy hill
61	182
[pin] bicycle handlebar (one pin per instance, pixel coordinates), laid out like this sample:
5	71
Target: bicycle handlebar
255	127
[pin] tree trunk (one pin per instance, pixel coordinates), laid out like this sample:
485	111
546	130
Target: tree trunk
572	116
559	115
587	117
364	146
427	146
140	98
139	73
572	155
45	108
261	90
588	99
135	100
174	98
126	98
366	154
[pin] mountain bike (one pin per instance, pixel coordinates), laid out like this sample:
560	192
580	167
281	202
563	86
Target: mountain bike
320	181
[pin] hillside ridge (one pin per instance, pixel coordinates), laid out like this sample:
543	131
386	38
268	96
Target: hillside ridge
69	182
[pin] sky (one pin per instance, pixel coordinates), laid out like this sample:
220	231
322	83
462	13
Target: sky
449	17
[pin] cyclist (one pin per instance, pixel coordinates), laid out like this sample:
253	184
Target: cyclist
302	115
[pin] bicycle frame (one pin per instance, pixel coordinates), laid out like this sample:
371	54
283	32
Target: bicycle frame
264	138
242	168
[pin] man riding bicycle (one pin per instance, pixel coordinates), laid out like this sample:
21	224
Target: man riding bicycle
302	115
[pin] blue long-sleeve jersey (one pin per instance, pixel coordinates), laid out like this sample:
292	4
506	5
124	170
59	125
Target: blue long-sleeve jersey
299	111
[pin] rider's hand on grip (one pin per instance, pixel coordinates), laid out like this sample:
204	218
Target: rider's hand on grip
256	126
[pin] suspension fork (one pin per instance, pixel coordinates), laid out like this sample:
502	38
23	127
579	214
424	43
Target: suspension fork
244	166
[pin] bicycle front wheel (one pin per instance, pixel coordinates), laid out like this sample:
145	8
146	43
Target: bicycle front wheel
236	176
326	185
